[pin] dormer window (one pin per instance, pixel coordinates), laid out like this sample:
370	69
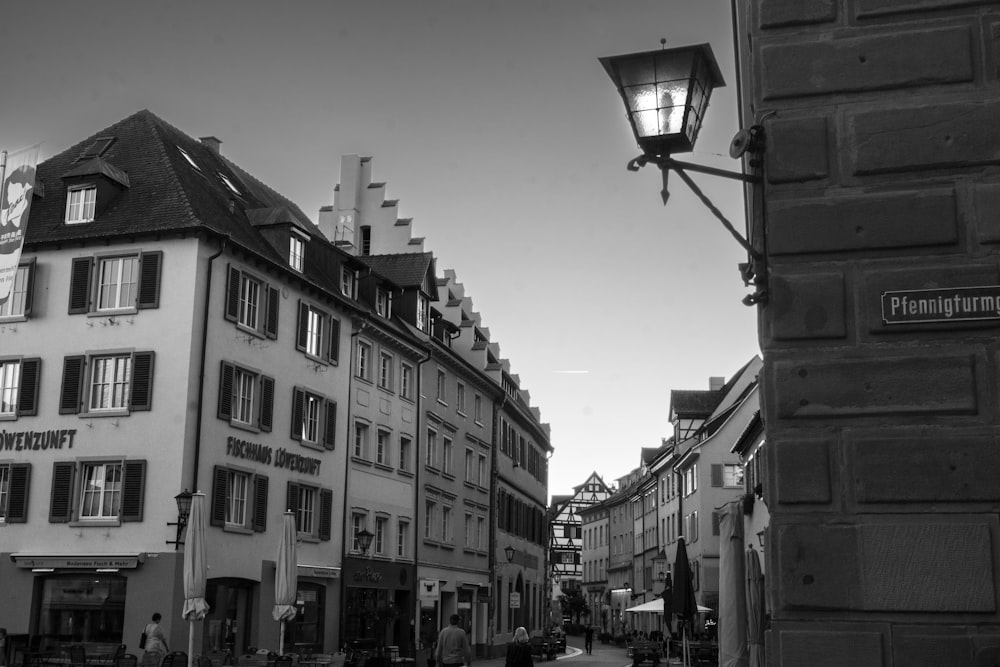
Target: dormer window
296	252
383	302
423	314
80	203
347	282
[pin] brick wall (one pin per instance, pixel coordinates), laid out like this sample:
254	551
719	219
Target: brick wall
882	173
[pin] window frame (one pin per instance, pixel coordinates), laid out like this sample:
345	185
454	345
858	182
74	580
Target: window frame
325	419
407	373
317	334
15	478
85	277
296	251
361	442
78	383
21	291
66	491
383	447
262	407
86	204
319	514
386	366
363	360
23	389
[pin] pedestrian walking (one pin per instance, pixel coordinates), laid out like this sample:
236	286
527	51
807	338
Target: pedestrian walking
519	651
154	641
453	645
588	639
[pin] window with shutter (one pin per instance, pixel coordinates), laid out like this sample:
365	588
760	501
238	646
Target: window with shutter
79	285
330	431
133	485
70	397
716	474
219	487
298	408
326	514
61	503
226	391
27	401
266	419
251	303
142	381
17	306
149	279
260	503
14	478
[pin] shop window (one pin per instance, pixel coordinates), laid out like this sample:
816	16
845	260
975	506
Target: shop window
84	608
107	384
239	500
252	303
97	491
246	398
115	284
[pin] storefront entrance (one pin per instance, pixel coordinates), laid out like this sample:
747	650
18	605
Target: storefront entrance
227	626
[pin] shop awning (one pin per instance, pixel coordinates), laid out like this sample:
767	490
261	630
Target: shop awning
656	607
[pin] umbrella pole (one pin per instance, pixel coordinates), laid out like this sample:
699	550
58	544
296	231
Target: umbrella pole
281	639
191	643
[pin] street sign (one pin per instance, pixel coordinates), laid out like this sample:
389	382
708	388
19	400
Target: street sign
953	304
515	601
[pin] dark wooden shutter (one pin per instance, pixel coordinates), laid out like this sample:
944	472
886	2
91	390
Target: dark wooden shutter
226	391
266	403
298	406
149	279
271	321
27	400
133	486
142	381
61	505
325	513
260	503
716	474
29	287
232	294
220	479
292	497
716	523
333	352
17	500
72	385
303	329
330	425
79	285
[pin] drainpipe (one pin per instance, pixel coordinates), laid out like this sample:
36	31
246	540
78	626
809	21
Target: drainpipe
347	478
201	371
495	523
417	467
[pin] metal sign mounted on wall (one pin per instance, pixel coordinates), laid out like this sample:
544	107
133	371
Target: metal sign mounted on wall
954	304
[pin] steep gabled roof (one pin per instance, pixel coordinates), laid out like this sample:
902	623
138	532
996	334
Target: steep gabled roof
165	193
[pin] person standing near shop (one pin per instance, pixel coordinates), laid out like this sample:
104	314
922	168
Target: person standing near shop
453	645
156	643
588	639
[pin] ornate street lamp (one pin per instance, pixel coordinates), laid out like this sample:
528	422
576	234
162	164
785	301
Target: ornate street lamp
666	94
183	500
509	553
364	538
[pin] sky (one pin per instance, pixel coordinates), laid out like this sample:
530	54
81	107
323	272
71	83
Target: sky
500	134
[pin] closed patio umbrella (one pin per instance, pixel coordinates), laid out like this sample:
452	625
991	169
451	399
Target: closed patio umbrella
286	578
755	609
732	589
682	601
195	570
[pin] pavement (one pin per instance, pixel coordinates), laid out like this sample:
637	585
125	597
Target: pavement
603	654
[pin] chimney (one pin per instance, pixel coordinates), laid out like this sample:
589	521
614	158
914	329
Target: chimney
716	383
212	143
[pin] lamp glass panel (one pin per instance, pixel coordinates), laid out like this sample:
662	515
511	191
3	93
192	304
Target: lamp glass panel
635	71
675	65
